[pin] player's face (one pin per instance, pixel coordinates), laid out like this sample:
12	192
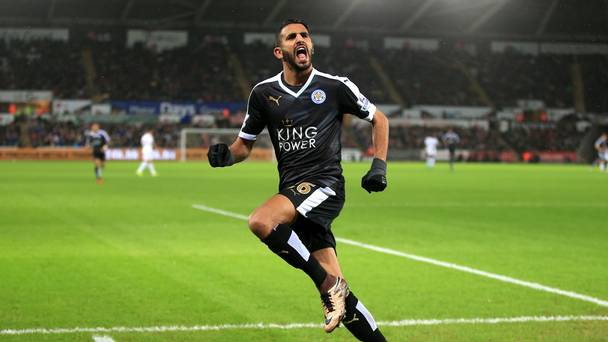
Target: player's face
94	127
296	47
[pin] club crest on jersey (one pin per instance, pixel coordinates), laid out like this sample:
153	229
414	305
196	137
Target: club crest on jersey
318	96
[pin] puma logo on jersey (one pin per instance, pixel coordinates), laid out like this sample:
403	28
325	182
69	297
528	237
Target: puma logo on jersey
275	99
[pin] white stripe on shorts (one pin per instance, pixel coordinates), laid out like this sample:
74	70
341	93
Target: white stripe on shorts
315	200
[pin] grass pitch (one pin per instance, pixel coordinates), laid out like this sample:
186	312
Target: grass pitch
133	252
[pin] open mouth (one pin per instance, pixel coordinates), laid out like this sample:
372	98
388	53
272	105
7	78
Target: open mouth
301	54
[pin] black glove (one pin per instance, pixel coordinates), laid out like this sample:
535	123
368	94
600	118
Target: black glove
219	155
375	179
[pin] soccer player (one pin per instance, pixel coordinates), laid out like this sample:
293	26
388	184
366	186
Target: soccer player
98	140
450	139
303	110
147	157
430	150
601	145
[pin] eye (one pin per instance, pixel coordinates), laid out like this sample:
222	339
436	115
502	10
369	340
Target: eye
291	36
304	34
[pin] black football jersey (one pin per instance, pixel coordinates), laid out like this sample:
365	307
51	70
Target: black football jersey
305	124
97	140
450	138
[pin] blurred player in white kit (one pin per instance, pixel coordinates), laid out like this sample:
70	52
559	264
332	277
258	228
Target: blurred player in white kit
430	150
147	154
601	145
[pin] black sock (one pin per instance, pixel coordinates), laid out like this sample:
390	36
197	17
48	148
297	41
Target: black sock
284	242
360	322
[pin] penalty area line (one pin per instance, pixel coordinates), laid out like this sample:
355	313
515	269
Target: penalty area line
269	326
466	269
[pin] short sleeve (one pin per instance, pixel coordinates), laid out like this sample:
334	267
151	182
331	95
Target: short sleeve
353	102
254	122
106	137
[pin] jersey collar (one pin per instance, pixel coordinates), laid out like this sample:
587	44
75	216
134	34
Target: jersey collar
291	92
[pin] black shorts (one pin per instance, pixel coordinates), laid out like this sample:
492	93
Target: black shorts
99	155
317	206
452	149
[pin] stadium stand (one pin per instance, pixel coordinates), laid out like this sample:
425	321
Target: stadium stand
26	65
530	82
188	73
203	73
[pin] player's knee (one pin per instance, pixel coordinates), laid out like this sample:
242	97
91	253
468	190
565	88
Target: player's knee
260	226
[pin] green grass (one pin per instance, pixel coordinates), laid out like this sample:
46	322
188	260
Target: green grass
133	252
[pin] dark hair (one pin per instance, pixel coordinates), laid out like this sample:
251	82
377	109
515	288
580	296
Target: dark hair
289	22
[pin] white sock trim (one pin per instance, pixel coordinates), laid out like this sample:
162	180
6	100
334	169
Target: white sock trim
368	316
295	242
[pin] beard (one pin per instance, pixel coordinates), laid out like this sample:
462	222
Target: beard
290	59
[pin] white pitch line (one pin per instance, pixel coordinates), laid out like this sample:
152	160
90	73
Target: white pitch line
267	326
467	269
220	211
103	339
503	278
524	205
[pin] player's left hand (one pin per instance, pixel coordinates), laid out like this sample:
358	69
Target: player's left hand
219	155
375	179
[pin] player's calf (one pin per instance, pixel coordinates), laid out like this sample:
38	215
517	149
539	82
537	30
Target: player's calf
285	243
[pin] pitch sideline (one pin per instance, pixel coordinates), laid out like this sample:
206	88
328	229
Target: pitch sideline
266	326
499	277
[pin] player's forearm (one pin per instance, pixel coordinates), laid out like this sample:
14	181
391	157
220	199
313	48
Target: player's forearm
238	155
380	135
240	149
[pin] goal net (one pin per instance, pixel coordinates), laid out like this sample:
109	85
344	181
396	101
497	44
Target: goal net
194	143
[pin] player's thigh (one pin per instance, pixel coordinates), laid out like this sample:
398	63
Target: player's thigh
278	209
328	259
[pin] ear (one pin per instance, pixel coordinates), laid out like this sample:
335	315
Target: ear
278	53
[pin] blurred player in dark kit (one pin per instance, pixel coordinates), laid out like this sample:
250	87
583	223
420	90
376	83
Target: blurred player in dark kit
98	140
451	139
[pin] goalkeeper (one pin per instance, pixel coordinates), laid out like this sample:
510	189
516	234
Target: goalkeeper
303	108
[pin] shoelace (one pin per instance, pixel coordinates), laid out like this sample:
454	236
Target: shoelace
326	300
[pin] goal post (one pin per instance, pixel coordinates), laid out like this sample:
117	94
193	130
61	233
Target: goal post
201	138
